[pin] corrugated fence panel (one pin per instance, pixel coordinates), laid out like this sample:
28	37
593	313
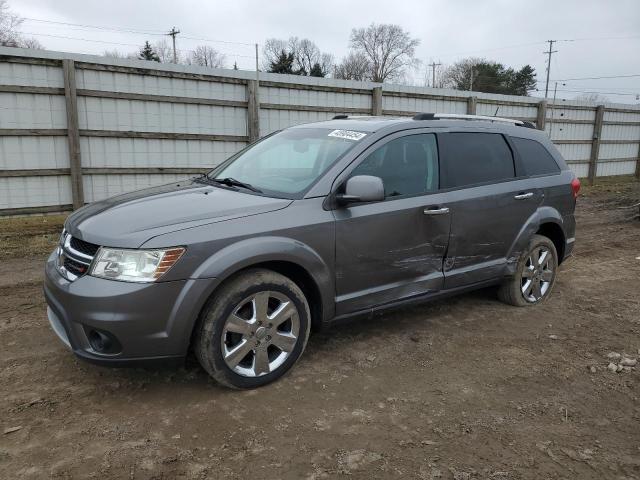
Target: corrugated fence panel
575	151
415	105
21	153
561	112
141	152
28	110
569	131
99	187
616	168
156	85
311	98
145	116
272	120
34	191
32	75
618	150
580	169
510	111
610	116
621	132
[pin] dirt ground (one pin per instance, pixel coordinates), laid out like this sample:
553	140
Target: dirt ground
465	388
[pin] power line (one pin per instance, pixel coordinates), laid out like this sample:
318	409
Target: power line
599	78
598	91
136	31
99	27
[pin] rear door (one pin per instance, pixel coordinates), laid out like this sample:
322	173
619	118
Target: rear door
489	200
391	250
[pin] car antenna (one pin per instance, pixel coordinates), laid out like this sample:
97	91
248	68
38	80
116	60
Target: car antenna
496	114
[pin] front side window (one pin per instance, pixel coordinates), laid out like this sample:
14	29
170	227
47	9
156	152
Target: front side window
536	158
288	162
474	158
407	165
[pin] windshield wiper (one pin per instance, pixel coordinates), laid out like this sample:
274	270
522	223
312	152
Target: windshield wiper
232	182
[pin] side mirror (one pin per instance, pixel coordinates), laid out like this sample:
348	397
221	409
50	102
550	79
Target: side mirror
362	188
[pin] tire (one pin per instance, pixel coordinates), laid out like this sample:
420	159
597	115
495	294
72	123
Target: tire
259	312
515	290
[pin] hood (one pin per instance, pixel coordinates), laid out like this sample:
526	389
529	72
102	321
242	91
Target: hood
129	220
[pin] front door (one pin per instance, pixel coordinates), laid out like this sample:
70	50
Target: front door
393	250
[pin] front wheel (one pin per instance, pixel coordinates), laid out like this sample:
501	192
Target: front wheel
253	330
535	275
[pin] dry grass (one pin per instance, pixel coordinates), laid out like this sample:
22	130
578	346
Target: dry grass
29	236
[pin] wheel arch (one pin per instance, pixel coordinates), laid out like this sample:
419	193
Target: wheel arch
545	221
290	258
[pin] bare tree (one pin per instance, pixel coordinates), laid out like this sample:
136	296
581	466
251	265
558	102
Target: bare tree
460	74
306	55
9	24
389	49
355	66
593	97
165	51
207	56
31	43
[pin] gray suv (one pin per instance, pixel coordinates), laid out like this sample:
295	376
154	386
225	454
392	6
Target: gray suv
308	226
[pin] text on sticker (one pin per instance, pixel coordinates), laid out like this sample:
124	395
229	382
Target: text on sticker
348	135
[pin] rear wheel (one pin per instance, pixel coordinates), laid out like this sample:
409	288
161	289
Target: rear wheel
253	330
535	275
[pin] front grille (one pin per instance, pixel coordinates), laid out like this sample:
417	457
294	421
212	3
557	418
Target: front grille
74	256
83	247
76	268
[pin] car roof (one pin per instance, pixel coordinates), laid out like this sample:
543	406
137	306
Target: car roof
372	124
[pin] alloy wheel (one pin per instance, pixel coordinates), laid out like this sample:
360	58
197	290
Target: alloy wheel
260	333
537	274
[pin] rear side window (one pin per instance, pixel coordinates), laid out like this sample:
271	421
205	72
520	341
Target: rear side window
473	158
536	158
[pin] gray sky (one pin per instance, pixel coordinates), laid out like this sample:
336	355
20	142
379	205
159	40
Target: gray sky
512	32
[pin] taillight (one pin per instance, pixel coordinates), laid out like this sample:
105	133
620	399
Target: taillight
575	187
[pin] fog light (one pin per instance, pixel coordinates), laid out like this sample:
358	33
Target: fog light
103	342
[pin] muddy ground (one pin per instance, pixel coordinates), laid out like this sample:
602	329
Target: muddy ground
463	388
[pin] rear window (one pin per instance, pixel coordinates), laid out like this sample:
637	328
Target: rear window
474	158
535	157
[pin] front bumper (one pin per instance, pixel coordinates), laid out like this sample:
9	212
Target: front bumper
150	321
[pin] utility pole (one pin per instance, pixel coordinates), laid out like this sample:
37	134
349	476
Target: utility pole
433	66
546	88
173	34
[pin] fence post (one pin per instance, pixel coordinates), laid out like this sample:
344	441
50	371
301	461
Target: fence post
73	133
638	163
472	103
542	115
595	144
376	101
253	111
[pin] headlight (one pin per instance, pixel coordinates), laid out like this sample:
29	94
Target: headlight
134	265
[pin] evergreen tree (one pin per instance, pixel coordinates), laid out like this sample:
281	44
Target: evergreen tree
147	53
317	71
235	65
283	64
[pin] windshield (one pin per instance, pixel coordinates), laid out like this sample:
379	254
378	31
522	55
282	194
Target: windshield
287	163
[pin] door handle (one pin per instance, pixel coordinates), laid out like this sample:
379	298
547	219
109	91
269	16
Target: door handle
522	196
435	211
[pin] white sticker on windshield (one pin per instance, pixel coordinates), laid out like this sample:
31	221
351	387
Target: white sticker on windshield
348	135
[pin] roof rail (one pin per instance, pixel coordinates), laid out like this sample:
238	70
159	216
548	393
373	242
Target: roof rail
341	116
455	116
